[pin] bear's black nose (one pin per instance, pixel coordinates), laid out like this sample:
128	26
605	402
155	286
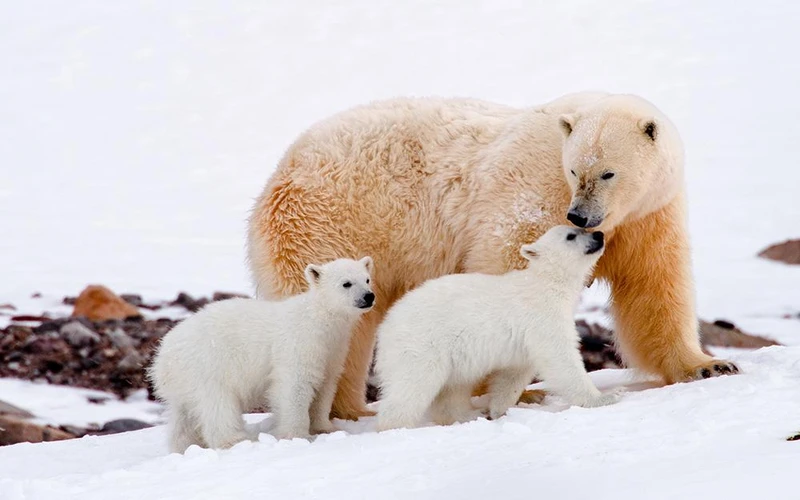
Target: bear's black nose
597	236
577	219
367	300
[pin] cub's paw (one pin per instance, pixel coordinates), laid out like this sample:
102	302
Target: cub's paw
533	397
323	428
605	399
291	434
713	368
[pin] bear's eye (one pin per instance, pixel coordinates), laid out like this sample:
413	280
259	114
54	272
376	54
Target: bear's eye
367	281
606	176
570	236
573	172
347	284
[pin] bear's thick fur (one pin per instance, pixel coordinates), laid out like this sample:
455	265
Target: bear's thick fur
430	187
240	353
447	335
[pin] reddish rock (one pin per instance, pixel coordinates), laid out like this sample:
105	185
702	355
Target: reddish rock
14	430
787	252
98	303
725	334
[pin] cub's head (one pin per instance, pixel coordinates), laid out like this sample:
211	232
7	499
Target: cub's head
344	283
622	158
565	247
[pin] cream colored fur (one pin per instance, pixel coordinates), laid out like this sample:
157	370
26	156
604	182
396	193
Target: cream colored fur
438	186
240	353
444	337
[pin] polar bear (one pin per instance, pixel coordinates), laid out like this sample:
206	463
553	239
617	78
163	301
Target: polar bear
444	337
239	353
440	186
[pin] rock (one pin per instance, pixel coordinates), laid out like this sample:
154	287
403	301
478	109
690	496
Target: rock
725	334
8	307
787	252
120	339
98	303
123	425
14	430
78	335
14	411
132	299
76	431
228	295
30	317
131	362
188	302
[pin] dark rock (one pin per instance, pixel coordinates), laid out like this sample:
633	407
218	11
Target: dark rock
227	295
76	431
123	425
132	299
131	362
36	295
30	317
120	339
787	252
7	307
79	335
724	324
97	400
188	302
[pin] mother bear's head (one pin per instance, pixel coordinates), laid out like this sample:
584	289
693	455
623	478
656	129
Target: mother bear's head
622	158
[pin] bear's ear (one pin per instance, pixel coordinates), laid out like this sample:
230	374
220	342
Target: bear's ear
648	126
313	274
367	261
528	251
566	123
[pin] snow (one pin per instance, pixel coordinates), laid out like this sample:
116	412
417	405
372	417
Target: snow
135	136
59	405
723	437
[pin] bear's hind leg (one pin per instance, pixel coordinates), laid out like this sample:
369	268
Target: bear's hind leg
453	405
221	422
405	401
505	389
183	430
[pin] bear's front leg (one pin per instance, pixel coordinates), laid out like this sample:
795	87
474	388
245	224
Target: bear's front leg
648	265
291	400
321	406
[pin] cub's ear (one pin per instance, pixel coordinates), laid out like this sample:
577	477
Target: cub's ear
313	274
367	261
566	123
528	251
648	126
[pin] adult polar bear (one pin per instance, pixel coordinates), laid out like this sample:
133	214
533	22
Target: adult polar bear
430	187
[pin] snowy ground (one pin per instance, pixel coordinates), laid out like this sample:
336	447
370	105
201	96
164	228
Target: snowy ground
724	438
133	137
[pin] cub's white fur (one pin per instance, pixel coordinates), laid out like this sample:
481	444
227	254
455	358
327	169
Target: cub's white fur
241	353
444	337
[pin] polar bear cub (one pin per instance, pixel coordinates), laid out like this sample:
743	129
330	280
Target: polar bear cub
240	353
441	339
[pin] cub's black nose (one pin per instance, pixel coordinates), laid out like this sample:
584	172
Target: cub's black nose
577	219
597	236
367	300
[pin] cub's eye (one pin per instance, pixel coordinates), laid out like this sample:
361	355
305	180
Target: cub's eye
570	236
573	172
367	281
347	284
606	176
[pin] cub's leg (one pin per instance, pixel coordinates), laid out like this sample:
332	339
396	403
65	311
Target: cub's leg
291	400
453	405
560	364
183	429
221	422
505	388
321	406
